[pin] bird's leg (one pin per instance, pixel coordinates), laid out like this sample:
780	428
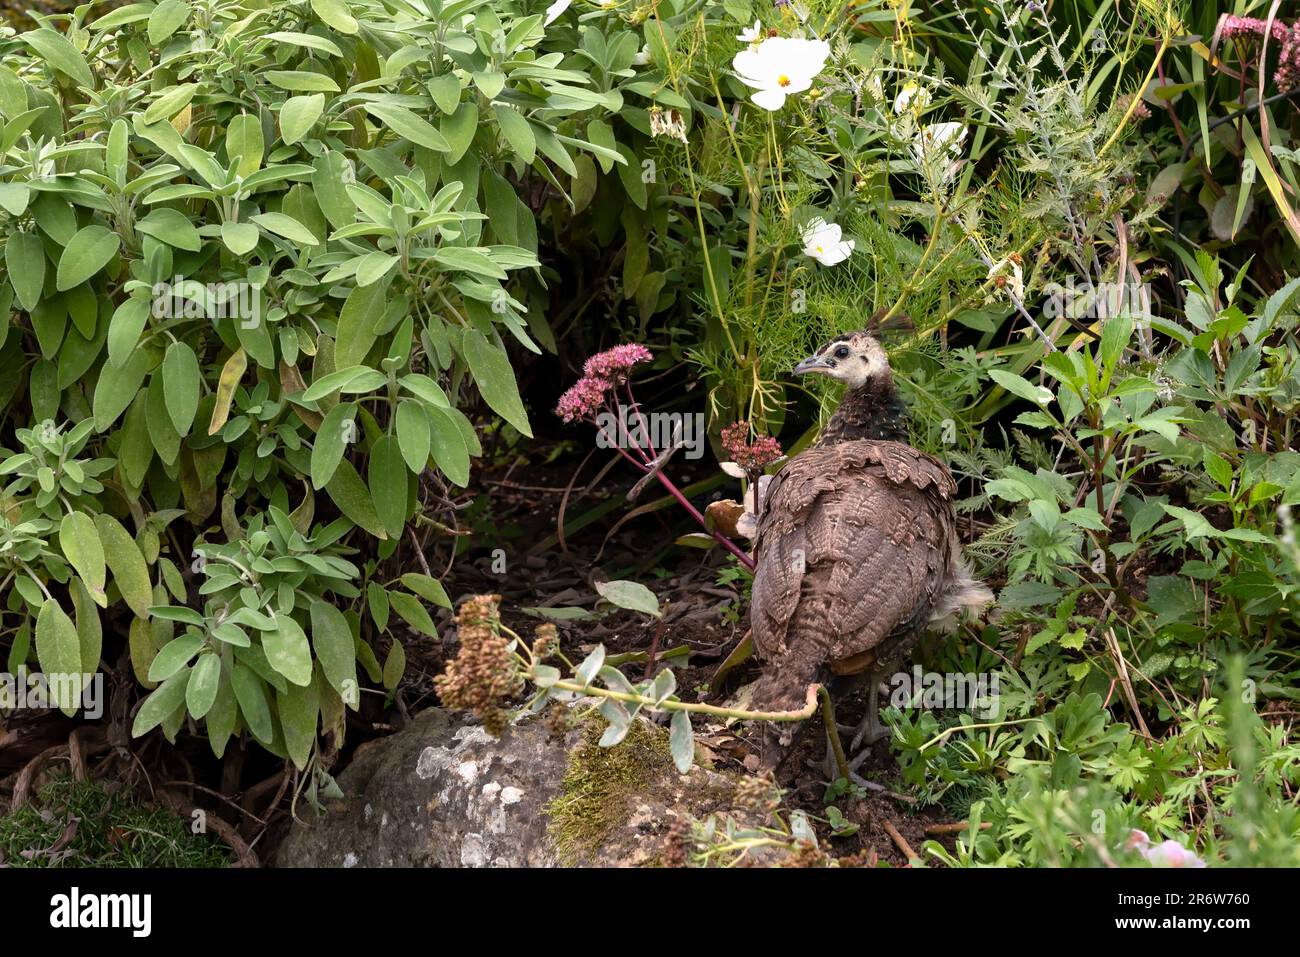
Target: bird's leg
833	735
827	764
870	730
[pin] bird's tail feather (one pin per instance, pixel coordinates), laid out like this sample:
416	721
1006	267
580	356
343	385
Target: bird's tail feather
962	595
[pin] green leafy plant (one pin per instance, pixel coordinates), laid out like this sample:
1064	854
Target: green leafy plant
248	250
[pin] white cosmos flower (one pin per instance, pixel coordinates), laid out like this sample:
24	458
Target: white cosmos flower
554	10
938	147
751	35
911	96
779	66
822	241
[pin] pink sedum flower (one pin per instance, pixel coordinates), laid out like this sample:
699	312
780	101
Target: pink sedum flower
615	364
601	373
1284	39
584	399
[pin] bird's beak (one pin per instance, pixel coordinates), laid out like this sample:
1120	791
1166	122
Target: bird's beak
812	364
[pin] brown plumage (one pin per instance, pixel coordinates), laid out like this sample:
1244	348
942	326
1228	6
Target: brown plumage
857	550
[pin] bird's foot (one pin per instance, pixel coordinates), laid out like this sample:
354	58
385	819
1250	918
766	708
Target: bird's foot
869	731
829	765
857	761
777	743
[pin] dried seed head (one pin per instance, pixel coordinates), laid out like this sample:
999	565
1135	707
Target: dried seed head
483	676
754	456
547	642
758	794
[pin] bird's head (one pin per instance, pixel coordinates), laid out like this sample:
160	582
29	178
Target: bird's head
855	359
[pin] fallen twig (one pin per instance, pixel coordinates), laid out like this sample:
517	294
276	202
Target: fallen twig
227	833
955	828
652	654
899	840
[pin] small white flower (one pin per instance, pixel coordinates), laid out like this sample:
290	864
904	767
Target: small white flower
822	241
554	10
940	136
912	96
780	66
751	35
642	57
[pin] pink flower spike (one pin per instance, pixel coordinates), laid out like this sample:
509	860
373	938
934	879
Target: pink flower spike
584	399
615	364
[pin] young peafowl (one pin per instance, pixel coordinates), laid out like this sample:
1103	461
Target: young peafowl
857	550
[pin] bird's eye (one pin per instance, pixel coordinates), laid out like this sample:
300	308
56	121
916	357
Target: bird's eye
842	352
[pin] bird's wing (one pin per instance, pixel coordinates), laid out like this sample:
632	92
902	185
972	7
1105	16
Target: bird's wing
779	551
891	553
872	524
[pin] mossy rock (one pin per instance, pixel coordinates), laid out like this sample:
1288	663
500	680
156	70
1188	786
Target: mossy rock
615	804
445	793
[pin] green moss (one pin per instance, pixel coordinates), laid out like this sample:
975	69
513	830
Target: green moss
112	831
599	785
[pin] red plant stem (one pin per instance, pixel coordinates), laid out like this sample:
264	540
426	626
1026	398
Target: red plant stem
685	503
653	653
645	428
721	539
613	443
616	444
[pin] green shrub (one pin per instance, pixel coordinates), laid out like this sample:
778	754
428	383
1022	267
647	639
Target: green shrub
257	259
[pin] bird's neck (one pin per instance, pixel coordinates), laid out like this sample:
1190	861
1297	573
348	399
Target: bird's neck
874	410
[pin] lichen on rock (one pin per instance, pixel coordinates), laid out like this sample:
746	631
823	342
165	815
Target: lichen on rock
445	793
